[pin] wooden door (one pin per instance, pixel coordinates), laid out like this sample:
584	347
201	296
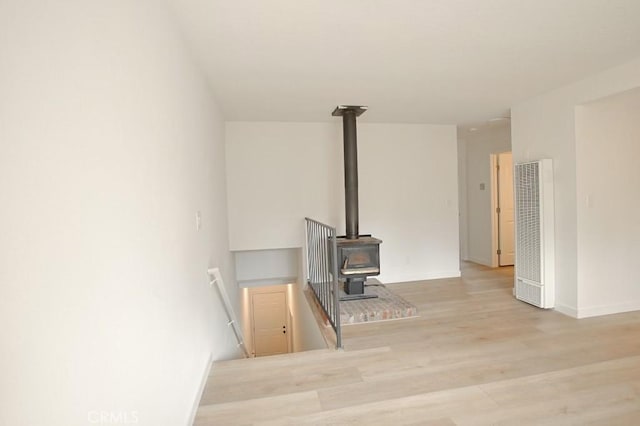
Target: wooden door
270	323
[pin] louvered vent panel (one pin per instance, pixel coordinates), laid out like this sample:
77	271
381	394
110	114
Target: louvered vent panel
527	200
535	247
529	293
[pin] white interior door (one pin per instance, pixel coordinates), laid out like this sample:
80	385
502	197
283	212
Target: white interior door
506	223
270	325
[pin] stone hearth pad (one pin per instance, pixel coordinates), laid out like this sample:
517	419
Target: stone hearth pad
386	306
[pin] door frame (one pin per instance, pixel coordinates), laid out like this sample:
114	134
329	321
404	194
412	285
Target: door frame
495	226
495	233
282	288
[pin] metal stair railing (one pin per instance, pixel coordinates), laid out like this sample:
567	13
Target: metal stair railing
322	271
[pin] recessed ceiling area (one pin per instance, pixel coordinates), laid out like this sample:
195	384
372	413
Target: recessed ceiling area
433	61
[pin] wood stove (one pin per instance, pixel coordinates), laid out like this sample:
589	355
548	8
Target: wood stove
358	255
357	259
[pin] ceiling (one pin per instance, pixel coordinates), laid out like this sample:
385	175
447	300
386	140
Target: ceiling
417	61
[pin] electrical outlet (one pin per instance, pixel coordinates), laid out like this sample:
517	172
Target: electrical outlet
198	220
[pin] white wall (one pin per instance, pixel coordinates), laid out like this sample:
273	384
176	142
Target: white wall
109	144
267	267
307	334
306	331
544	127
608	178
462	198
476	217
278	173
409	198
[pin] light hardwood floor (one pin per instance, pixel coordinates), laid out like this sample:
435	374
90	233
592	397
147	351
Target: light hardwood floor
475	356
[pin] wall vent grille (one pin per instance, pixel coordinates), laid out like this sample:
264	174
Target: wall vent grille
527	198
534	219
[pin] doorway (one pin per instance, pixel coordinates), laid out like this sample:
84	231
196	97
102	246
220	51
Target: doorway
503	222
270	320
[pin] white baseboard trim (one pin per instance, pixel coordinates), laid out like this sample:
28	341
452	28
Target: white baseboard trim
596	311
200	391
566	310
443	274
433	275
484	262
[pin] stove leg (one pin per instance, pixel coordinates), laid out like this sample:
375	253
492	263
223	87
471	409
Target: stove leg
354	286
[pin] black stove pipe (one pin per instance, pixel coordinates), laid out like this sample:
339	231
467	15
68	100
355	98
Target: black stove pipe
351	173
349	114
